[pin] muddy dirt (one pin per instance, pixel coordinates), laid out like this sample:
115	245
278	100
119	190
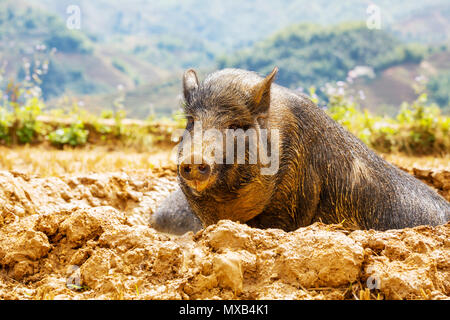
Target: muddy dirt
82	237
437	179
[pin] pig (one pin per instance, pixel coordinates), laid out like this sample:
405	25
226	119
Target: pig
324	172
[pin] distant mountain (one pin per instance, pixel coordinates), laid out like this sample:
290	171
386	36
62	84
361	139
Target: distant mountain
395	85
144	46
309	54
178	34
430	24
226	23
77	64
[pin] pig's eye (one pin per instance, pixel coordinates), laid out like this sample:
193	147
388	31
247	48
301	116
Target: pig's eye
190	122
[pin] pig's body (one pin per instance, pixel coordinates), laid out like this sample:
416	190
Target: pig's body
325	173
175	216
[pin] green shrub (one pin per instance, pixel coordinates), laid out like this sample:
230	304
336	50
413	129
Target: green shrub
6	122
27	125
418	129
348	114
75	135
423	129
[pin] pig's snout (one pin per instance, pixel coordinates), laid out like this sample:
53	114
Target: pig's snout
196	175
198	172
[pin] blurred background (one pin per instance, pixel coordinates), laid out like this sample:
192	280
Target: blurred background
143	46
381	68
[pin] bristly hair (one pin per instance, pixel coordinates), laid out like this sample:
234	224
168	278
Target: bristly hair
227	91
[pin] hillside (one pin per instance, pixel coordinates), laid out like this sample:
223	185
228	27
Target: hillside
311	55
224	25
430	24
144	46
383	94
76	63
396	84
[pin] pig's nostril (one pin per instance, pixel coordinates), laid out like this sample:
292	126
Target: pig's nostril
187	169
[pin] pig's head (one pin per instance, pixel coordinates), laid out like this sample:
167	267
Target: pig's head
220	179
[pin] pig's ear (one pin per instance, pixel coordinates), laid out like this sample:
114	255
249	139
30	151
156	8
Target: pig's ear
261	94
190	84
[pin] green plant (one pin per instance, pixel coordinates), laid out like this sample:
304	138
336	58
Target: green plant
418	129
6	121
27	126
425	131
347	113
75	135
